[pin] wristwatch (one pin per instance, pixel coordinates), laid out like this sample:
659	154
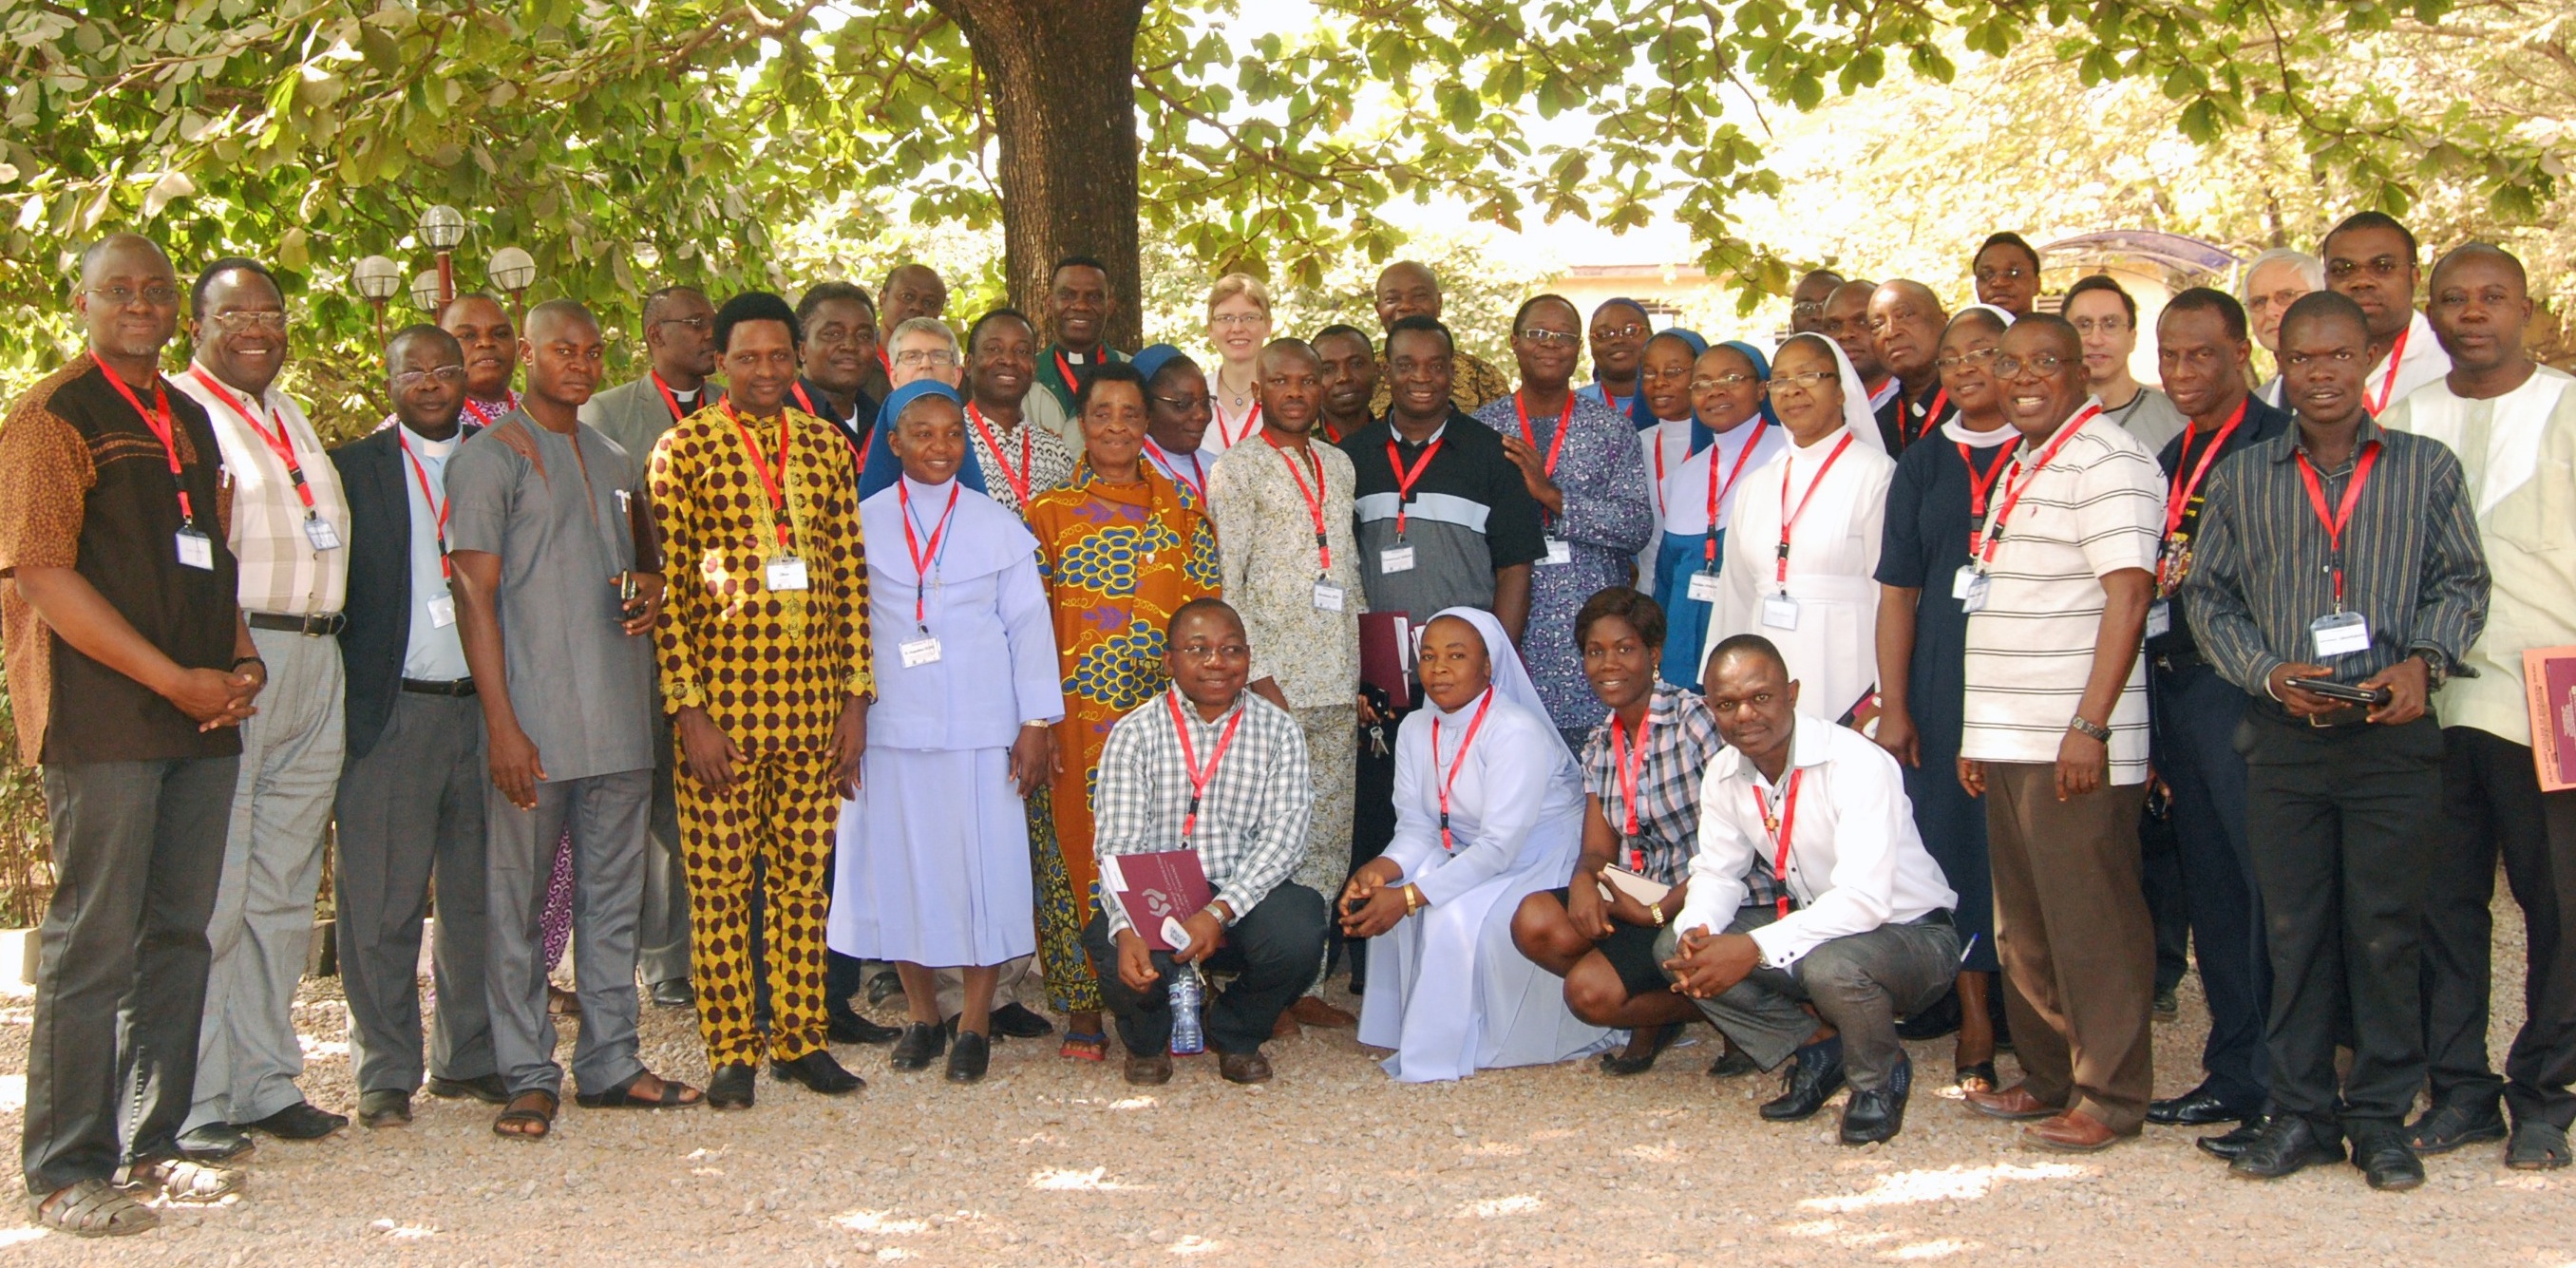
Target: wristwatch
2090	727
2437	668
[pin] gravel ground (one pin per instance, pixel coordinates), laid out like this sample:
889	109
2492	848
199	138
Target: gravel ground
1059	1162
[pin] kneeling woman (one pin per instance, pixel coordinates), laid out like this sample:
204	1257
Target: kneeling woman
1489	810
933	870
1641	776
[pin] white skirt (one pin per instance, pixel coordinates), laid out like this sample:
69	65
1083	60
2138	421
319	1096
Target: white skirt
933	864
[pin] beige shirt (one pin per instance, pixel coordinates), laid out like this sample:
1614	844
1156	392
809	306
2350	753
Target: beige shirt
281	569
1265	537
2519	454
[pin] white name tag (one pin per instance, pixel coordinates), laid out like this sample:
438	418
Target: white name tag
1703	587
920	651
1559	551
786	572
196	550
1779	612
318	531
442	611
2159	619
1968	586
1395	559
2341	634
623	507
1328	597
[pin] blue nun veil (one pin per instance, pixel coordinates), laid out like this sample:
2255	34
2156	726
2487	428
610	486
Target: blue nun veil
884	468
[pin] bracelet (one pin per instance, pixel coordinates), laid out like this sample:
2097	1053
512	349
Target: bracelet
1412	899
2091	728
239	661
1656	910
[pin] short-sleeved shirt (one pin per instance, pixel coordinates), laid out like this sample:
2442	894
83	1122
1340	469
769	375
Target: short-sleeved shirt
581	686
1681	740
84	484
1468	514
2095	508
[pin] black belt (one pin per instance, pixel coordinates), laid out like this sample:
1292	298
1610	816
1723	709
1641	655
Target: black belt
323	626
426	687
1936	916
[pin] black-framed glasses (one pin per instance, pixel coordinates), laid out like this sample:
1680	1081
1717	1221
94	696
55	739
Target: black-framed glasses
2379	266
2009	273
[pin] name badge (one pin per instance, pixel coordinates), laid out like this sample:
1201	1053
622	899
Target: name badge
1328	597
623	507
786	572
318	531
1779	612
919	652
1559	551
2341	634
2159	618
1703	587
1395	559
442	612
196	550
1968	586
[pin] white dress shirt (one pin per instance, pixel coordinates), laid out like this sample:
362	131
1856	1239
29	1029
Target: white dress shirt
1855	859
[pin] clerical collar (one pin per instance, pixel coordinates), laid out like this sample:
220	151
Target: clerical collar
428	448
1957	430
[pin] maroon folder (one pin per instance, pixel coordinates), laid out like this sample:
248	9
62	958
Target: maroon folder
2549	680
1386	655
1168	886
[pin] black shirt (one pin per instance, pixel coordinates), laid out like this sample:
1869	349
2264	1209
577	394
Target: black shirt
1903	421
2262	422
1467	515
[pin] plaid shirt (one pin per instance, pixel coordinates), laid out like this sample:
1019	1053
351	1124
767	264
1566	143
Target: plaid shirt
1251	830
1681	741
281	572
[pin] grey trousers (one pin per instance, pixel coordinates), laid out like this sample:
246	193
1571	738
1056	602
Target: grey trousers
247	1054
662	939
121	965
411	809
1860	984
607	814
1007	985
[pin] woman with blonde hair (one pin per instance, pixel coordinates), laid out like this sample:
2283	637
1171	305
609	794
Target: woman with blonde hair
1238	327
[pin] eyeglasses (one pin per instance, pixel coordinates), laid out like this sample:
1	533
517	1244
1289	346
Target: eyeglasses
936	358
1804	380
1202	652
1973	356
408	380
1988	277
2043	365
1807	308
239	323
2099	325
1238	319
1184	402
2380	266
120	296
698	323
1551	338
1630	331
1723	380
1664	376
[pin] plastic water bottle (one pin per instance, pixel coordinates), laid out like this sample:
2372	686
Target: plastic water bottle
1186	995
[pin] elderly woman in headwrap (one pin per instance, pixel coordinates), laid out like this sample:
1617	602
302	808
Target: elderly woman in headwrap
1729	406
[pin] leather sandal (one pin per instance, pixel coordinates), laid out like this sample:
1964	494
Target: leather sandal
528	1116
675	1095
1977	1076
95	1208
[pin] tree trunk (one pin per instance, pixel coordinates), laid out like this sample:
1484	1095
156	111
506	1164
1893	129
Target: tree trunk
1061	75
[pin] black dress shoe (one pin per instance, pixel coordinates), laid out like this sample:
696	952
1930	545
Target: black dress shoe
1621	1065
819	1073
673	992
487	1088
849	1027
1942	1018
921	1044
2198	1107
1016	1021
300	1121
214	1142
2288	1144
732	1086
2444	1128
884	986
2385	1160
1733	1065
2232	1144
1876	1115
1813	1079
968	1057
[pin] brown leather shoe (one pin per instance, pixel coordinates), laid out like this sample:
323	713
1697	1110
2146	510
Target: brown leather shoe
1243	1067
1151	1070
1312	1010
1286	1027
2013	1104
2073	1132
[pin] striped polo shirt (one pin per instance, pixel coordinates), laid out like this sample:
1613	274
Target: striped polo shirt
1467	514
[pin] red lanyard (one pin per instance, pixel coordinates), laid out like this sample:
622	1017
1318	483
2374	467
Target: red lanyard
282	444
1314	501
1028	462
885	359
1564	424
1445	783
671	399
1940	401
484	416
1065	368
1172	467
2179	496
1994	533
1717	492
1251	427
1780	830
2396	353
1199	779
772	485
1789	518
1981	485
438	507
804	402
1623	752
1405	480
2342	517
922	555
158	419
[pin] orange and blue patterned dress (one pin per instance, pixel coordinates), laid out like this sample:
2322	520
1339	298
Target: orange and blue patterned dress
1118	560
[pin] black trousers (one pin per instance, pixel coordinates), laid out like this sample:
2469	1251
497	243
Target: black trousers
2492	805
1272	950
2168	905
121	970
2341	821
2196	714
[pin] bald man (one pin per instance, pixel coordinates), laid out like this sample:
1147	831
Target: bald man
491	346
130	671
1906	319
1408	288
